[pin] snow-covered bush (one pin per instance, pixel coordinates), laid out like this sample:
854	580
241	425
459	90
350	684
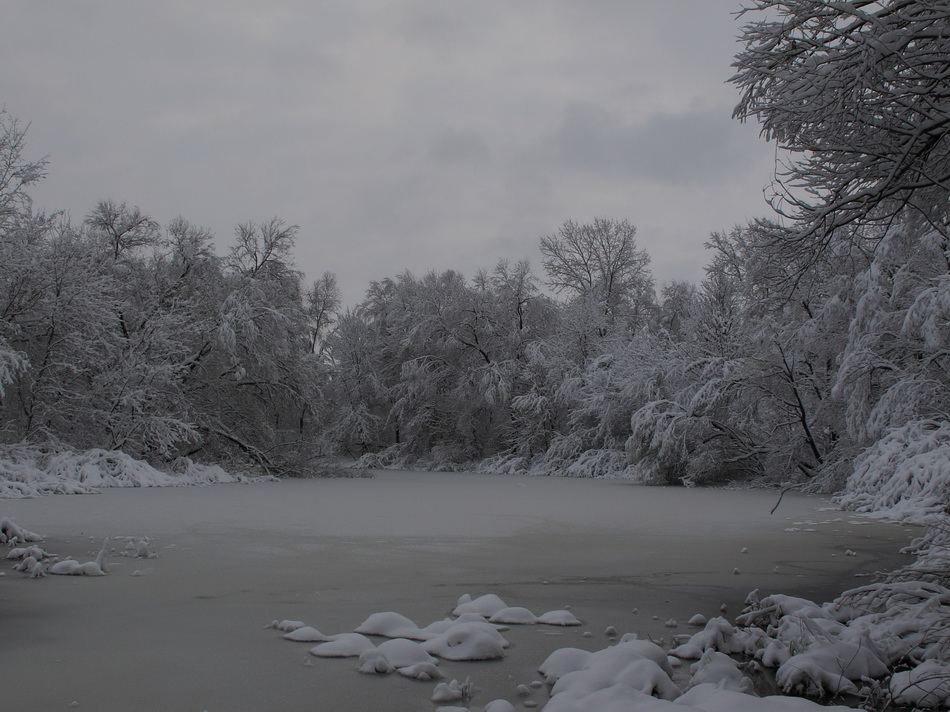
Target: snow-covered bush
29	471
904	476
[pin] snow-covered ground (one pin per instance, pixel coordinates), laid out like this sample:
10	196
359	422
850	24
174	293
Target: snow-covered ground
186	626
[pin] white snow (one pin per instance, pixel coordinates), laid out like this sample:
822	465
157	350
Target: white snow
421	671
305	634
468	641
563	661
486	605
404	653
721	670
27	471
904	476
287	626
453	691
390	625
344	645
374	662
11	533
924	685
514	615
560	617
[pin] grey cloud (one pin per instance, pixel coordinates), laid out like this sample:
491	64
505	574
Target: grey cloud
457	147
407	134
686	147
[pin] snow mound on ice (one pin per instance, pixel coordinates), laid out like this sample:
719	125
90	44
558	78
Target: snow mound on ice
563	661
10	532
485	606
453	691
719	669
515	615
287	626
468	641
421	671
306	634
374	662
565	618
345	645
404	653
70	567
718	634
389	625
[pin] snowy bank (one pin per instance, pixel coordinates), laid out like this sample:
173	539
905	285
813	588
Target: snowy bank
904	476
28	471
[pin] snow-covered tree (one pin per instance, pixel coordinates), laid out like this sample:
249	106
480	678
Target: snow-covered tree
122	229
749	392
322	303
857	95
600	263
17	173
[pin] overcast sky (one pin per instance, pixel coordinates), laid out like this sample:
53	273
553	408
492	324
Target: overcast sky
398	134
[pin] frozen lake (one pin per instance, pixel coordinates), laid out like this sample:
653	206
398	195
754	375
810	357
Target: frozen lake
189	632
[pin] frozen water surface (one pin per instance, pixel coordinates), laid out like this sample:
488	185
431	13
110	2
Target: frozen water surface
186	630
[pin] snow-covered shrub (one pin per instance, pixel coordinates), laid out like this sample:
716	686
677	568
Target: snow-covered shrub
28	471
932	551
905	475
924	686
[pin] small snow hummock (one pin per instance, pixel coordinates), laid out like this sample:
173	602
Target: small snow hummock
485	606
468	641
389	625
12	534
287	626
421	671
304	634
345	645
453	691
514	615
70	567
562	617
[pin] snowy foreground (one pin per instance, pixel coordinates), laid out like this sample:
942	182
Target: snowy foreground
882	643
848	648
169	608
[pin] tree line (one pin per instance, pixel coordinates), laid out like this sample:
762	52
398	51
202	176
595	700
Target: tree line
814	337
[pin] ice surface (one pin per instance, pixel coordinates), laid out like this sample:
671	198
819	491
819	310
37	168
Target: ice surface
332	552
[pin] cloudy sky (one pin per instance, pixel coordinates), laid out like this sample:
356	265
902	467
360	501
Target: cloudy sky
398	134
